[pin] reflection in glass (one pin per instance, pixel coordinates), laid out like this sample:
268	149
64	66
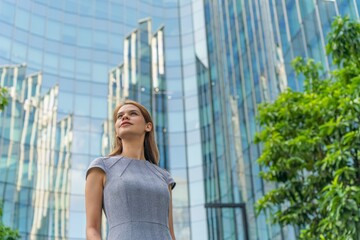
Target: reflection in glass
35	157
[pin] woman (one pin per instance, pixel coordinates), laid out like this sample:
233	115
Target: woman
128	184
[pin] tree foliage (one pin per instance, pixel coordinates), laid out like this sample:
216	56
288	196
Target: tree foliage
7	233
311	143
3	97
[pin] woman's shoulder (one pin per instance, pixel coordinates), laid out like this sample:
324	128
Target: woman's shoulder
96	163
106	162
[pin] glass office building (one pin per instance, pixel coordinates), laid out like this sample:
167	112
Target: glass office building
200	66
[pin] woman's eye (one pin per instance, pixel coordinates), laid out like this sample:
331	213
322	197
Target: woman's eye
119	116
133	113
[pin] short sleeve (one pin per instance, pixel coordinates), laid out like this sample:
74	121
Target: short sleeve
97	163
170	180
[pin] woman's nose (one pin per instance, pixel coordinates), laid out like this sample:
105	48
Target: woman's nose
125	116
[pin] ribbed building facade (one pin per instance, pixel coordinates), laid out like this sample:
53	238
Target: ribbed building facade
250	48
201	67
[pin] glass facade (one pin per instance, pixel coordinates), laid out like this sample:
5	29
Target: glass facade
250	47
35	157
200	66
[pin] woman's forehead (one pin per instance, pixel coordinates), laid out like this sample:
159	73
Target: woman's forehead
128	107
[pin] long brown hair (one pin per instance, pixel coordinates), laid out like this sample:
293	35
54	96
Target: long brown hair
151	151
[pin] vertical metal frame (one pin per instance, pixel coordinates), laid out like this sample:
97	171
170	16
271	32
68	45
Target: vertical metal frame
242	206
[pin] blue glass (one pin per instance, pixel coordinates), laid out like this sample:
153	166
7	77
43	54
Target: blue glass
306	8
298	44
5	46
53	29
347	7
97	109
22	19
292	15
7	12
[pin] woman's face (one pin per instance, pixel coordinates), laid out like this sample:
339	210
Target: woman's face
130	123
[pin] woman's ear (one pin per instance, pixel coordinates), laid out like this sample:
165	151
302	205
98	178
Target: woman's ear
148	127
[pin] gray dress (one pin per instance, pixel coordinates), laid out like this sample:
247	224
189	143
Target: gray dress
135	198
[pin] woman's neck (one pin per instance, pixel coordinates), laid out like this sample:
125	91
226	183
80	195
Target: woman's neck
133	149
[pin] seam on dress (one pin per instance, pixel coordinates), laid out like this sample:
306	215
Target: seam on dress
125	167
139	222
115	161
157	173
169	180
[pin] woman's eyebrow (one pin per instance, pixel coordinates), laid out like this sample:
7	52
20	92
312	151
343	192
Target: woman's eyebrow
132	110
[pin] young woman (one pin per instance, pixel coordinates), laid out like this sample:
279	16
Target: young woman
128	184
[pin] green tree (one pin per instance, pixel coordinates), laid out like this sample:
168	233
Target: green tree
3	98
7	233
311	144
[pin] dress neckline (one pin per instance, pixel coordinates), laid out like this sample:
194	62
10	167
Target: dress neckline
132	159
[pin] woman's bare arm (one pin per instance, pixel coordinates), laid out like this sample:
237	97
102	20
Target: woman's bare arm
93	203
171	225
